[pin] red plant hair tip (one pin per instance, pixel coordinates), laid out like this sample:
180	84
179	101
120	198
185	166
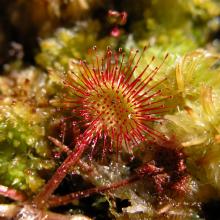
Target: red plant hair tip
113	103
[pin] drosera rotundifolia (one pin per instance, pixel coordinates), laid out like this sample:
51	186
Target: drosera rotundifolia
112	105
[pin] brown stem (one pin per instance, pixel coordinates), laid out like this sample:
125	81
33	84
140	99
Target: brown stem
59	144
12	193
41	199
63	200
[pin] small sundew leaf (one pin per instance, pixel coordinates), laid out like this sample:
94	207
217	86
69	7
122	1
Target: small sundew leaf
112	102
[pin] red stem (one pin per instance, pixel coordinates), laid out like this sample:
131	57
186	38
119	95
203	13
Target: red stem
63	200
41	199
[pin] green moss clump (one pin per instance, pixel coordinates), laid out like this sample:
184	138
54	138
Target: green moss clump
66	44
24	120
176	27
196	122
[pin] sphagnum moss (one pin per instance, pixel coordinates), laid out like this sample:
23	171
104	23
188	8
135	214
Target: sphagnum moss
192	79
